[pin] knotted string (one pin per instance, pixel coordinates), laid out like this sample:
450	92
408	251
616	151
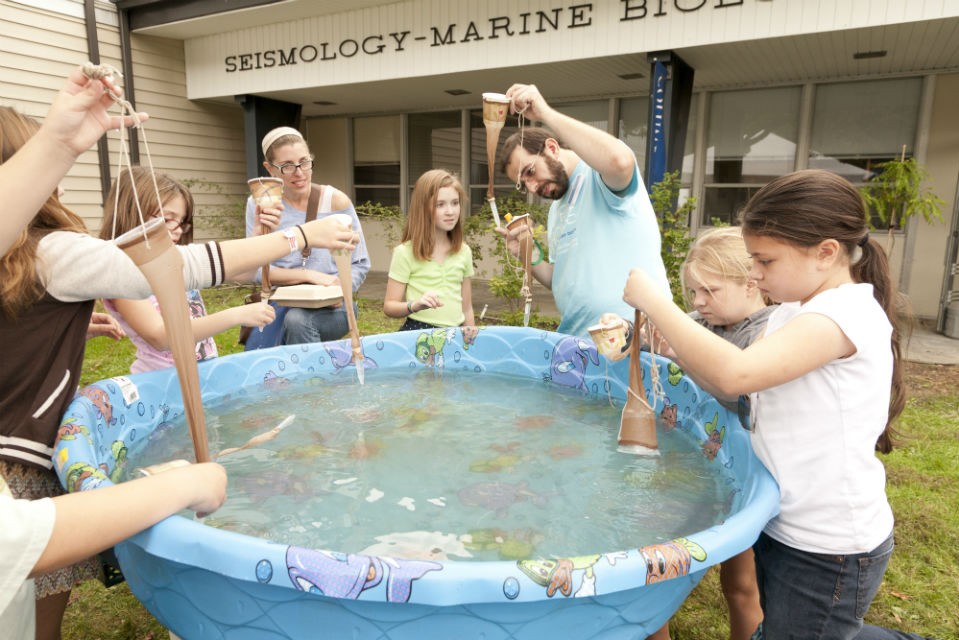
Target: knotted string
100	72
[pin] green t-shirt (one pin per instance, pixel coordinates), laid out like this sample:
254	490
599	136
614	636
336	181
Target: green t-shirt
445	279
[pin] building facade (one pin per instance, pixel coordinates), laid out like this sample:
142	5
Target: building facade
386	90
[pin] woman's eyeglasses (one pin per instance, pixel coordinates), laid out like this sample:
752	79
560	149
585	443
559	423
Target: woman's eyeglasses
290	168
172	224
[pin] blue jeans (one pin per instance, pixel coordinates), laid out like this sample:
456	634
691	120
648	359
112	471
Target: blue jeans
813	596
315	325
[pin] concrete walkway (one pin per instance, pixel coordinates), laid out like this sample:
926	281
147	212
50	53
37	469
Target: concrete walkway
928	347
925	346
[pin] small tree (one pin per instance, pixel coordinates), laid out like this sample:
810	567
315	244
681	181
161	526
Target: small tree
674	229
896	193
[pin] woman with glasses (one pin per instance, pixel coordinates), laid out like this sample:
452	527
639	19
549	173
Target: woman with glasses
141	319
288	157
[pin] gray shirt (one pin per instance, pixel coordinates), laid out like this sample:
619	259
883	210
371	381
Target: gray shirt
742	334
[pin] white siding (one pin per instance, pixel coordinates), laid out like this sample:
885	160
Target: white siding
40	45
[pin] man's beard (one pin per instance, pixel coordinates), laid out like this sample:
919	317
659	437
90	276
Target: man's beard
558	178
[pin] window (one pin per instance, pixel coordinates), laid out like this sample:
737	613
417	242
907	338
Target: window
376	164
594	113
434	143
858	125
751	138
634	127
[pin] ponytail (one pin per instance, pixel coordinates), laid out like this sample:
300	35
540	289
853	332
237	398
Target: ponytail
873	267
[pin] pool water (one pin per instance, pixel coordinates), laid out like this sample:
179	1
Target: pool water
442	464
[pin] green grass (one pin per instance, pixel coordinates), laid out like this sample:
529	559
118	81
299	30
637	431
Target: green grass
919	592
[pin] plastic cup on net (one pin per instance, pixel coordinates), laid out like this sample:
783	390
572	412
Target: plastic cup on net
611	338
495	109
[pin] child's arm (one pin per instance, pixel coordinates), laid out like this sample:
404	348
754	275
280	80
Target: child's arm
469	320
143	318
88	522
394	301
805	343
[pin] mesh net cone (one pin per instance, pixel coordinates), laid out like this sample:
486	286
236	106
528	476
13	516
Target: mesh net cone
637	426
152	250
495	108
267	192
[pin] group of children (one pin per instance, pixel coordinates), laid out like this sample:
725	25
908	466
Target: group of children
819	373
51	273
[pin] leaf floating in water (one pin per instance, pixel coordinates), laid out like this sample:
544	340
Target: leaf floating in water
534	422
562	452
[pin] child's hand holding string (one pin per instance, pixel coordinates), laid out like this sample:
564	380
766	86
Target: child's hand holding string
79	114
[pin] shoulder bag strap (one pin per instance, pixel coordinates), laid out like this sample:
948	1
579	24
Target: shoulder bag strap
311	209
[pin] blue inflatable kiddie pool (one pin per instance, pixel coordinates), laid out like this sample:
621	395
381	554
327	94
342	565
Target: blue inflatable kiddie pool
205	583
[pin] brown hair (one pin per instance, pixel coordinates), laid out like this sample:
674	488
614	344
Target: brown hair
420	226
806	207
533	139
20	282
137	186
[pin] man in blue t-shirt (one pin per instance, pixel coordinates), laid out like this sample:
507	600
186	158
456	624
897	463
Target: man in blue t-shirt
601	223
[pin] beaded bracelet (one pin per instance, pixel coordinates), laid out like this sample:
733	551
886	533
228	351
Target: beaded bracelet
409	308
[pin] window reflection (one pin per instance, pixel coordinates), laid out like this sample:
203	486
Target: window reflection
751	138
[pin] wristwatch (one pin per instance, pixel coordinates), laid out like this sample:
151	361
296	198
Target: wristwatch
290	234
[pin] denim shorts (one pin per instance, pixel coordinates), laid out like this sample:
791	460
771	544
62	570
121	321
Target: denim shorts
815	596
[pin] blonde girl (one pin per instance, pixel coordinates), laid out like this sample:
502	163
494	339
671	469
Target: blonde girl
429	277
725	300
133	194
826	384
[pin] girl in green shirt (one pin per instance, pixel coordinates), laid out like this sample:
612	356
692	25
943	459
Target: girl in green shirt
429	277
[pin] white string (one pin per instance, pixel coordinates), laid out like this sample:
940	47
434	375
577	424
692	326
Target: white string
99	72
655	384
